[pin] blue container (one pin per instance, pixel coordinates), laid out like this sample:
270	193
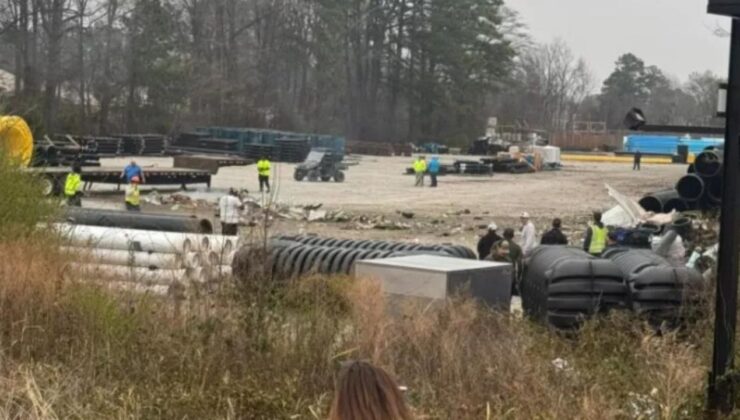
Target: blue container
666	144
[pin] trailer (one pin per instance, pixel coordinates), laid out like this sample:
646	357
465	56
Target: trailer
54	177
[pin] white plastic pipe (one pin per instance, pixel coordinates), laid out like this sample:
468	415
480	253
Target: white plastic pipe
130	274
126	258
126	239
219	243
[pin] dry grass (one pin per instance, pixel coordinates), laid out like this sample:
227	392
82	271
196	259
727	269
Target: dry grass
265	350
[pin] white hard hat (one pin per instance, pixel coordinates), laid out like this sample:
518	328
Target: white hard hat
492	226
525	215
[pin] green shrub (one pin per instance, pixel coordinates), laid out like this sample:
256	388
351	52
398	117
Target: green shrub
22	205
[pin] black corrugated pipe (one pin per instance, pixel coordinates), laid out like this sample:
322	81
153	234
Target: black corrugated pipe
137	220
708	163
656	202
658	290
562	286
690	187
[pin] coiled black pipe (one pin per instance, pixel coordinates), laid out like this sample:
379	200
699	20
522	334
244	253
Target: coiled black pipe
137	220
690	187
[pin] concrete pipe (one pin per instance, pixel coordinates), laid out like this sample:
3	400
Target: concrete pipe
708	163
677	204
218	243
656	202
127	258
690	187
127	239
137	220
144	289
131	274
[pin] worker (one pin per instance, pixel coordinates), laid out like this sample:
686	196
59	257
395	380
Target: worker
554	236
230	207
433	169
638	158
515	257
501	252
596	236
528	235
73	187
133	196
486	241
420	167
131	171
263	171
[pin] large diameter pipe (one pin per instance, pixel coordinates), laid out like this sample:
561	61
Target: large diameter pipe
219	243
127	239
690	187
655	202
708	163
136	220
149	260
130	274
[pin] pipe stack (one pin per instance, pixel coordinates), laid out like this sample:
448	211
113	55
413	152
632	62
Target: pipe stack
699	189
659	291
146	256
563	286
295	256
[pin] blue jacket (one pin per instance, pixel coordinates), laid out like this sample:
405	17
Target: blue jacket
433	167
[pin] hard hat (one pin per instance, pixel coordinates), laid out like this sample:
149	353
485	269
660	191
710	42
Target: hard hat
135	179
525	215
492	226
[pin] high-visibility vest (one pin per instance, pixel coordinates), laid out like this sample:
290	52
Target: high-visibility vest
420	166
72	184
263	167
132	195
598	240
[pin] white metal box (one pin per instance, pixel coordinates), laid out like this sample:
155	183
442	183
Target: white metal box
434	277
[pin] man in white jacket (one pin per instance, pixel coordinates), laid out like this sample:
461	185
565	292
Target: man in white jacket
230	208
529	240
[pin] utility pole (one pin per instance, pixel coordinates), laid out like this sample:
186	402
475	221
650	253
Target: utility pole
722	377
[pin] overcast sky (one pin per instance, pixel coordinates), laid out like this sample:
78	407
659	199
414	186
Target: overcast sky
675	35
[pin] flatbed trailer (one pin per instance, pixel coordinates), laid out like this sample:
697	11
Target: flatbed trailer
54	177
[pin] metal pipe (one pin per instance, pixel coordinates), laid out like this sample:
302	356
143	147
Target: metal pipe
135	220
690	187
723	377
127	239
149	260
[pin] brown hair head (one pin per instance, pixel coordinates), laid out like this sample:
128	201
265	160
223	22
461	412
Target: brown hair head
366	392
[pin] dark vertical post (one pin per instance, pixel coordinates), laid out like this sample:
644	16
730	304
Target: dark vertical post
721	387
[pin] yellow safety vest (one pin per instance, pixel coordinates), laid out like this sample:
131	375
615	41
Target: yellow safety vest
132	195
420	166
598	240
72	184
263	167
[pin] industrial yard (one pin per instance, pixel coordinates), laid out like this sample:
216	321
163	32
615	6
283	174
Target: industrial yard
369	210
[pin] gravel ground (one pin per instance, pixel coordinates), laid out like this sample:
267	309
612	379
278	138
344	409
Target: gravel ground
453	212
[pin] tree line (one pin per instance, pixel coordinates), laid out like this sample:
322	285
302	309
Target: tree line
374	70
